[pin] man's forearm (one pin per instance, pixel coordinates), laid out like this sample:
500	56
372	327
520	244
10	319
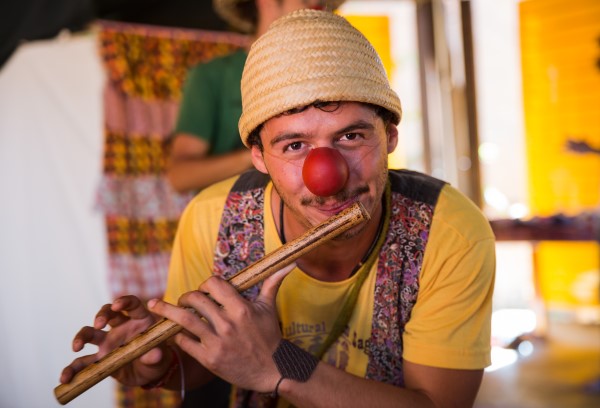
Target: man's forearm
194	374
330	387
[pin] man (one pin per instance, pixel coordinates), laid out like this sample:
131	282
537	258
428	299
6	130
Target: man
397	310
206	147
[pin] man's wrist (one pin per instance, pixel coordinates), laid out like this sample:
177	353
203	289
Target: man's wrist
275	393
293	363
166	377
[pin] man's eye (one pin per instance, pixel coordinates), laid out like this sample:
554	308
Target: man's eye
350	136
294	146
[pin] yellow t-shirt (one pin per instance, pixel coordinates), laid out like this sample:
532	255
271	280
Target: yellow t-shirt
450	322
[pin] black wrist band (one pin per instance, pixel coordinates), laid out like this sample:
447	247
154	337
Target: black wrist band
293	362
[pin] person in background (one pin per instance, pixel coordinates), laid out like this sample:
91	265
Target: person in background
206	147
395	312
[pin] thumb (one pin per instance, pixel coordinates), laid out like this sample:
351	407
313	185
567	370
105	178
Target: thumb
152	357
271	285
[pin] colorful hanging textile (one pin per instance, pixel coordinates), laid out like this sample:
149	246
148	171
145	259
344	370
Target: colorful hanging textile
146	68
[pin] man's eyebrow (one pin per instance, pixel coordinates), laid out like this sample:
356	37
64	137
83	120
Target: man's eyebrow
285	136
358	125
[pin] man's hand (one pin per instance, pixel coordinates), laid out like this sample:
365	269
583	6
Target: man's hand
229	335
127	317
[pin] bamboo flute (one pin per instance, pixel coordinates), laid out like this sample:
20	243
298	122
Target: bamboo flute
243	280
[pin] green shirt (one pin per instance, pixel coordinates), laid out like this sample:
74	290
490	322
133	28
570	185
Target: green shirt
212	103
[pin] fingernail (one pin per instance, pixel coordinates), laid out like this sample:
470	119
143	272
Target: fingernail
152	303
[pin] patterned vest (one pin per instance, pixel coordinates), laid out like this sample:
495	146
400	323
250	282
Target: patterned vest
413	199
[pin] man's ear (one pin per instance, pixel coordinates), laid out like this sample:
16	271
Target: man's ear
392	137
258	159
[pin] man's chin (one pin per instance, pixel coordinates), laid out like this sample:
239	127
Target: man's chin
351	233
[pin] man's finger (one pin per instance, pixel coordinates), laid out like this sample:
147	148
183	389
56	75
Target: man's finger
271	285
132	305
87	335
184	317
77	365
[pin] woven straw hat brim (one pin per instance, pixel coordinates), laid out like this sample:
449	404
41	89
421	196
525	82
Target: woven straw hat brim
228	11
308	56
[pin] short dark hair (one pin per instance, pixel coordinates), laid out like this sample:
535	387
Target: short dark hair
386	115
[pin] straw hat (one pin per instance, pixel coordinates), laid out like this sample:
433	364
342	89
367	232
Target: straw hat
306	56
236	12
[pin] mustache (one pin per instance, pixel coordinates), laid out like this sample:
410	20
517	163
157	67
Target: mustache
342	196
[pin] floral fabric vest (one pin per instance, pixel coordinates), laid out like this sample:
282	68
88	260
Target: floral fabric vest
413	199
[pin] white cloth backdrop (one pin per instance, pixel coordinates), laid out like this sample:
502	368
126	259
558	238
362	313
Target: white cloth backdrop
53	256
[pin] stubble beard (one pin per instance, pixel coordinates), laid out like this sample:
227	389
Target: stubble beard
340	197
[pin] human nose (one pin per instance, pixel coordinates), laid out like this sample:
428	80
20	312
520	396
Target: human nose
325	171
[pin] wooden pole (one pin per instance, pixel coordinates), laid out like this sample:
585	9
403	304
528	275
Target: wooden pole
243	280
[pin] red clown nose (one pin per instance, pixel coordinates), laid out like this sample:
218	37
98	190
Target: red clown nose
325	171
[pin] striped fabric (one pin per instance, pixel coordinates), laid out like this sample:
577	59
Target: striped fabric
146	68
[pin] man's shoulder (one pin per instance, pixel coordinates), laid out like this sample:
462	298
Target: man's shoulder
452	208
458	213
215	193
416	186
250	180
